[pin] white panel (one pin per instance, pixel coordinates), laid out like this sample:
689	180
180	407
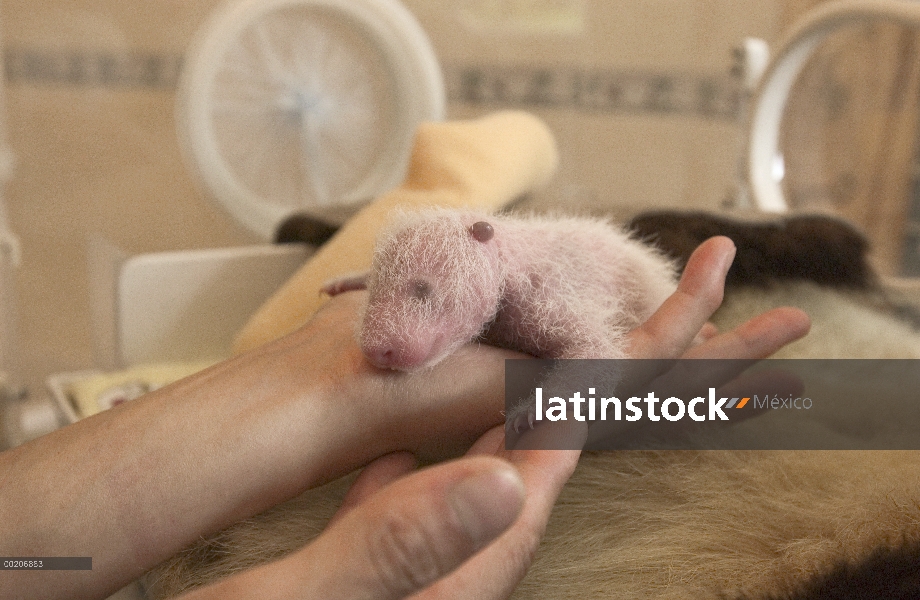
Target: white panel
178	306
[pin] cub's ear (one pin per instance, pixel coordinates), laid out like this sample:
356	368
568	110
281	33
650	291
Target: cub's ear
481	231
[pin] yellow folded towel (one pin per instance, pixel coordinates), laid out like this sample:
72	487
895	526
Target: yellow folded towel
483	163
103	391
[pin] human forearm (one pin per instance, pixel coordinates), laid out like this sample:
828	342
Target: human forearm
132	486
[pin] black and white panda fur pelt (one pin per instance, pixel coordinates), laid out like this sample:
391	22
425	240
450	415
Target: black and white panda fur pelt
684	525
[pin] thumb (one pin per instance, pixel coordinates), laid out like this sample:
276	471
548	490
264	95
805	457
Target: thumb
404	538
417	530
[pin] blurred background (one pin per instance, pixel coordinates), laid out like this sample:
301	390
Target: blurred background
644	98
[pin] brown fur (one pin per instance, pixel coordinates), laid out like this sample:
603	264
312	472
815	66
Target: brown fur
817	248
892	573
304	229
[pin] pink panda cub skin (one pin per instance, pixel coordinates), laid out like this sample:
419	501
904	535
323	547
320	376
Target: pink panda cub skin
552	287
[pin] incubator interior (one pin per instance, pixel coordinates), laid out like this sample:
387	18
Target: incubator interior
127	239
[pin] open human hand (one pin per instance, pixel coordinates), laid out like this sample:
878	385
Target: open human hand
469	527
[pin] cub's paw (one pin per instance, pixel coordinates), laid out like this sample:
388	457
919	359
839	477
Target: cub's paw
346	283
521	418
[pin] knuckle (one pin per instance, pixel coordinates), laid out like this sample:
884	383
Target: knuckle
407	554
709	299
715	299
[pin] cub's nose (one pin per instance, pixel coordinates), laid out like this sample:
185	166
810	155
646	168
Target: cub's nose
382	357
392	356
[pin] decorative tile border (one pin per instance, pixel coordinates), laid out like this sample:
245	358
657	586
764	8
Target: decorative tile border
91	68
611	91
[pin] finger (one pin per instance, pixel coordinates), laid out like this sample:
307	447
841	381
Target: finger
558	435
491	443
417	530
708	331
409	535
668	332
373	477
757	338
495	572
741	347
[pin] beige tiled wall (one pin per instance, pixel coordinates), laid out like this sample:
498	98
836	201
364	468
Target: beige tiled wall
95	158
663	141
90	109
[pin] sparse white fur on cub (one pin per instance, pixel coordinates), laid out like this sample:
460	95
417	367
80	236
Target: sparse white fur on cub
553	287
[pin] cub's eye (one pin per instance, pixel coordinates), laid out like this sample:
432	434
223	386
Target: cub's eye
419	288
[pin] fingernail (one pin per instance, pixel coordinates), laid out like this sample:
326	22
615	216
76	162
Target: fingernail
486	504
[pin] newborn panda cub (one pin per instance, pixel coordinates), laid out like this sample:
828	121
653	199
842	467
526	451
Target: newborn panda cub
552	287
